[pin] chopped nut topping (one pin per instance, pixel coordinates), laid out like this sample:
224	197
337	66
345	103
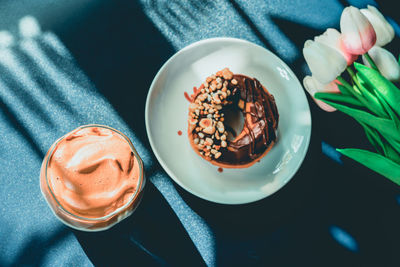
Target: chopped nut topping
206	114
221	127
241	104
192	107
206	122
223	143
209	141
209	130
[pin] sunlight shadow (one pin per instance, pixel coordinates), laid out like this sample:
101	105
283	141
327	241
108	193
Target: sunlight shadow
176	19
198	230
16	124
45	94
14	74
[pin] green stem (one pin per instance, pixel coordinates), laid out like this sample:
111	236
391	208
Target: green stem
355	91
345	83
353	76
371	61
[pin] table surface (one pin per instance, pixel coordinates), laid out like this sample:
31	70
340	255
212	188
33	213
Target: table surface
93	62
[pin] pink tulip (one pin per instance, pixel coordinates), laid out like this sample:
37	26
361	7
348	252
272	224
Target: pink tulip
358	35
313	86
383	30
332	38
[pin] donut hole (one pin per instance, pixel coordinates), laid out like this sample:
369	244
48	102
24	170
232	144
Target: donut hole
234	122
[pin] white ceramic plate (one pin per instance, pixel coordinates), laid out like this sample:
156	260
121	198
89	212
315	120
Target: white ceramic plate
167	113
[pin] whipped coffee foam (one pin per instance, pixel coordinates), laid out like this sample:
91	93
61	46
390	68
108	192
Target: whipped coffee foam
92	172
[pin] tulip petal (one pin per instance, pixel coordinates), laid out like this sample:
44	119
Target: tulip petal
324	62
358	35
384	31
332	38
313	86
386	63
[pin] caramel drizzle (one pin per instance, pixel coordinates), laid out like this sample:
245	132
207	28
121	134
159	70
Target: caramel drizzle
192	97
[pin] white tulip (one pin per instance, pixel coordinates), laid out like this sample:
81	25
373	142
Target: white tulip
386	63
332	37
313	86
384	31
325	62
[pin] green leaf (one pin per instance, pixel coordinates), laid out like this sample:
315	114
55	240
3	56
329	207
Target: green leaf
371	61
381	124
375	162
390	153
373	137
381	144
344	90
374	104
375	80
358	94
347	99
393	142
388	109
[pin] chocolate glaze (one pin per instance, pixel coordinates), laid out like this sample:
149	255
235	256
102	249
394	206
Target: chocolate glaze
261	122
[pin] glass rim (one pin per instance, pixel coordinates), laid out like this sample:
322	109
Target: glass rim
115	212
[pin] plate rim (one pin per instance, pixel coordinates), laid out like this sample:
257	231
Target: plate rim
164	165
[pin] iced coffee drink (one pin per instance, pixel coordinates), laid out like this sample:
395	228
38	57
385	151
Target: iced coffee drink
92	178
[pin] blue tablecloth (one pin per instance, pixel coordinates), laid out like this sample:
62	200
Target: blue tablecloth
69	63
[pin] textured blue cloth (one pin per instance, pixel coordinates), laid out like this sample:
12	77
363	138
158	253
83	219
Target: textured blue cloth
93	62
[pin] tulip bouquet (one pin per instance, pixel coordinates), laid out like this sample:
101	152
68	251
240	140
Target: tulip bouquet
368	95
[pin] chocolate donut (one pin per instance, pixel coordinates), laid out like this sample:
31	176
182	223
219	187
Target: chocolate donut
207	131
